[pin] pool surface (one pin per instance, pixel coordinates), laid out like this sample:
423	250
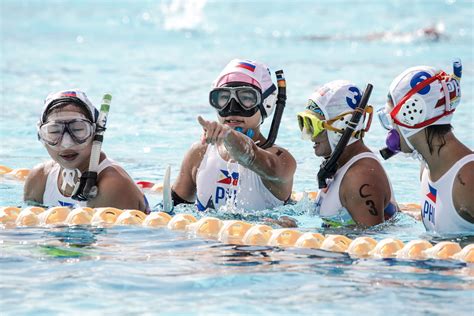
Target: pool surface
158	60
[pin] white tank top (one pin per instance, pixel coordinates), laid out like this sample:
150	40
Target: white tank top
437	207
220	183
328	204
53	197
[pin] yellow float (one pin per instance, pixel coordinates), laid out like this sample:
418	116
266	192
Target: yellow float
237	232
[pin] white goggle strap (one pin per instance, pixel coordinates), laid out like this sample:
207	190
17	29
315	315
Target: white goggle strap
447	105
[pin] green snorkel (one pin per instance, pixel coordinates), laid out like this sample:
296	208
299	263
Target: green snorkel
88	185
280	107
329	166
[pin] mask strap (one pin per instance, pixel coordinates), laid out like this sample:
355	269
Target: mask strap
439	76
447	104
269	91
357	134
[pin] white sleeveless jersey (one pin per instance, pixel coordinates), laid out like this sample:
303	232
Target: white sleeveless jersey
221	183
437	207
328	204
53	197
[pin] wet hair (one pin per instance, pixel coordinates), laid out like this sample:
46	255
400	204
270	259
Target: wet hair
63	103
438	132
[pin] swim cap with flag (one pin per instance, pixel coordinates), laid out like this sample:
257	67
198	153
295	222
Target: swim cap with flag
254	73
73	96
335	98
424	96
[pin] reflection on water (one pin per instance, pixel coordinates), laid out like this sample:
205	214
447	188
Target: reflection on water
137	262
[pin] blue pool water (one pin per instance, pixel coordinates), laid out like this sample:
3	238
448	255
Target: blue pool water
158	60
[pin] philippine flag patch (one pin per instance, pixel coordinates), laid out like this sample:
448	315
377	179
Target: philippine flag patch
247	66
432	194
229	179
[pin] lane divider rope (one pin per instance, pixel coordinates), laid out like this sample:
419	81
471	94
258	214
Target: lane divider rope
236	232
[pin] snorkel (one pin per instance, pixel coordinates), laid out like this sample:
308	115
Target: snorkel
88	184
280	107
329	166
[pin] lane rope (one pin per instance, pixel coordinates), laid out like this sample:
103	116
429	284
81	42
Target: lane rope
236	232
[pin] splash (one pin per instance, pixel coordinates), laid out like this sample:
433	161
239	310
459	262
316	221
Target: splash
183	14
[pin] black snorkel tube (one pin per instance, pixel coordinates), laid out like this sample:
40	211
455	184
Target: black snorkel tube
329	166
88	185
280	107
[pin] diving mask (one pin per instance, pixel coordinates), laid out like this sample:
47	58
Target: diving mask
52	133
247	97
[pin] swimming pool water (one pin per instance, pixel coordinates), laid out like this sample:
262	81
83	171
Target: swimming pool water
158	60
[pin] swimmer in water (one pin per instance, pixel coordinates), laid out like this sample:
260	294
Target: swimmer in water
227	168
67	127
430	33
420	106
360	192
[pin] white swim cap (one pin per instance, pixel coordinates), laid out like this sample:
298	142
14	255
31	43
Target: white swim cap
423	96
74	96
335	98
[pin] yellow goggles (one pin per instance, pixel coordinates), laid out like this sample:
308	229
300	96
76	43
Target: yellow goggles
312	125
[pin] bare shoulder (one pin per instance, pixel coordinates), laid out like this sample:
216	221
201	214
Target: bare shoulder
281	152
365	173
367	165
35	183
463	198
197	151
117	189
285	157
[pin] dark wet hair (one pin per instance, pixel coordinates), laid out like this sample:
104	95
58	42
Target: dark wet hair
437	131
63	103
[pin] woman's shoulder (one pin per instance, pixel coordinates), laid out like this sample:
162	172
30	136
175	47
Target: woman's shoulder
196	153
41	171
367	167
35	183
198	148
278	150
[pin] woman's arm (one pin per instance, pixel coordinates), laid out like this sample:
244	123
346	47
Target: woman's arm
365	192
185	184
35	183
274	164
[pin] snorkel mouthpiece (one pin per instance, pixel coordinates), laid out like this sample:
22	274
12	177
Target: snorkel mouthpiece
393	144
386	153
88	186
250	133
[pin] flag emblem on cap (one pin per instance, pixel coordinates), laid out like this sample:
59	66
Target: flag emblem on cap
247	66
228	179
68	94
432	194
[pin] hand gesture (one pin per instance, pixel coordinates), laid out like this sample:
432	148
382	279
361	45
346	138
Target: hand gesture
214	132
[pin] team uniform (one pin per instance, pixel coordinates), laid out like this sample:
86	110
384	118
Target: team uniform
328	204
52	196
222	183
437	207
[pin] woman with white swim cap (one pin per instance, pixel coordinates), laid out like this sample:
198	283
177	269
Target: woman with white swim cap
420	106
360	191
67	127
227	167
